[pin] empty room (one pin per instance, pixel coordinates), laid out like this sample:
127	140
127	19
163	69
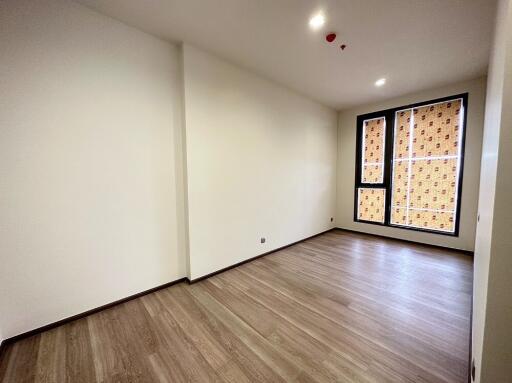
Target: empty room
256	191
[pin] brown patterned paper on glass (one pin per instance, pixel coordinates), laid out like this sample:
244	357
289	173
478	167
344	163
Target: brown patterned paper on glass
402	133
433	184
374	132
401	164
436	130
371	204
432	220
399	216
426	165
400	183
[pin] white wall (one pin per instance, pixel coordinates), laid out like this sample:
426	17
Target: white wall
87	162
492	303
474	128
261	162
96	179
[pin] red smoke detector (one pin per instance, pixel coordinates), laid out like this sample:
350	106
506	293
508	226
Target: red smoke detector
330	37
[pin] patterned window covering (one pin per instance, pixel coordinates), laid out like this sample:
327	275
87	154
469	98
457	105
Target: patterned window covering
374	132
371	204
402	134
426	162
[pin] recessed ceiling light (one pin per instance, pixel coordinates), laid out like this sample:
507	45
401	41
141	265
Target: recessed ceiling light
380	82
317	21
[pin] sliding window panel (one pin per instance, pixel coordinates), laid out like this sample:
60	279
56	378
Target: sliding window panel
371	204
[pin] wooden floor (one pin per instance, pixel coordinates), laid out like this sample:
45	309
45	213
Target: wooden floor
339	307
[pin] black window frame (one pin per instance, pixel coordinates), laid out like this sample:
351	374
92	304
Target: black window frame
386	184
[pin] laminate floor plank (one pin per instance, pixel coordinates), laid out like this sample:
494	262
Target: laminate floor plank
339	307
79	357
51	359
345	314
361	309
348	338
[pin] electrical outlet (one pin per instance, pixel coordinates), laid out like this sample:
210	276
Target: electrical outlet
262	240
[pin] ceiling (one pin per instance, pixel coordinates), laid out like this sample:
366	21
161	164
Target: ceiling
415	44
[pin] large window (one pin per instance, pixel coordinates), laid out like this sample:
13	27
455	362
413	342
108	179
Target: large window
409	165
